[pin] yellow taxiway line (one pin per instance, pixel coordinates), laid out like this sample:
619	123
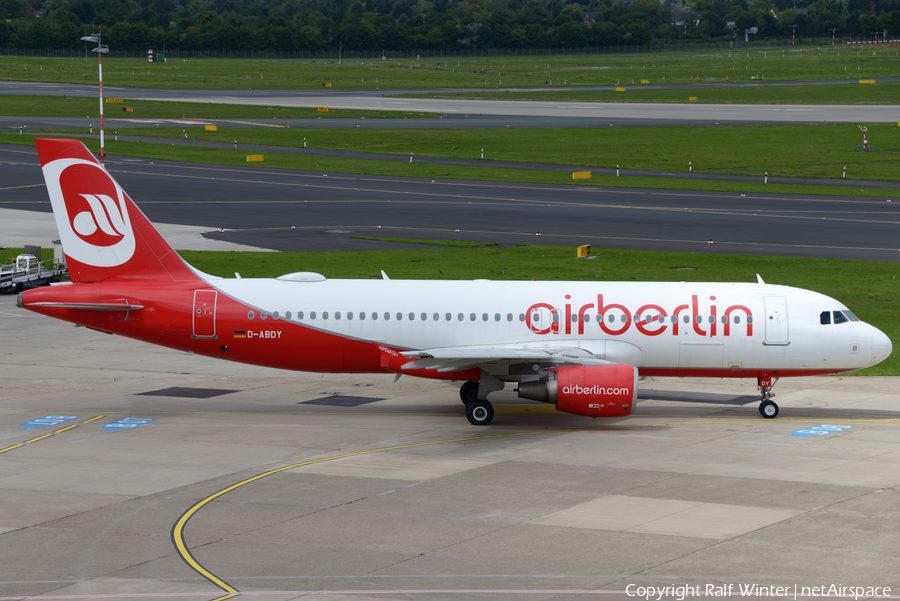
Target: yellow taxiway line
178	529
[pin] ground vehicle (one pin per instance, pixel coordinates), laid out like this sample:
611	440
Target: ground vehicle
28	272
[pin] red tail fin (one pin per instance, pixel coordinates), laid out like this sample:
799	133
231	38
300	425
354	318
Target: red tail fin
103	233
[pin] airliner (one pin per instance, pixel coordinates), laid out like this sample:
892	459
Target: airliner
581	346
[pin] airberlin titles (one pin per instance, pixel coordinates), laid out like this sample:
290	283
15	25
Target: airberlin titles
651	319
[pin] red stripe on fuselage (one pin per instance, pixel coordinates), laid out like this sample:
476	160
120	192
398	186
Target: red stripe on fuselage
167	320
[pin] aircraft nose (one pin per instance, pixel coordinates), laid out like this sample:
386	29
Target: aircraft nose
881	346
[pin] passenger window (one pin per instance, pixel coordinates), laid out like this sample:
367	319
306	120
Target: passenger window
399	316
337	315
509	317
724	319
521	317
556	318
275	315
324	314
460	317
496	317
749	319
349	314
300	315
447	316
674	319
424	316
412	316
839	317
699	319
471	317
686	319
437	316
825	318
484	317
312	314
374	316
250	314
362	315
587	318
387	316
611	318
287	315
737	319
712	319
262	314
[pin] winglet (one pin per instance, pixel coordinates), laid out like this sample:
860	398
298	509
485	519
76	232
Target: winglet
759	279
384	276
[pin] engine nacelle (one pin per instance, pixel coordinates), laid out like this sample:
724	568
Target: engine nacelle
590	390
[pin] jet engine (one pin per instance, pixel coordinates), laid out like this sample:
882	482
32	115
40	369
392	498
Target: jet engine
590	390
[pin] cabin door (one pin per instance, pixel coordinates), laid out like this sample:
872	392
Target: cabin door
776	320
204	314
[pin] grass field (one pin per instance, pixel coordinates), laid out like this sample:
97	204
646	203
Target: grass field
816	151
844	93
870	289
68	106
423	170
476	72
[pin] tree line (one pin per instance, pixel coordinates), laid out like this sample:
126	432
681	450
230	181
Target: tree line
375	25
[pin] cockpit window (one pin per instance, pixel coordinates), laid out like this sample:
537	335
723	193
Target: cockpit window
825	318
839	317
850	316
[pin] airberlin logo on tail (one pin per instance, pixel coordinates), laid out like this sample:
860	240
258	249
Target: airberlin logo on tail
102	224
91	213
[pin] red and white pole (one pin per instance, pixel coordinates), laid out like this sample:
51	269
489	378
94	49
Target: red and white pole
865	143
100	66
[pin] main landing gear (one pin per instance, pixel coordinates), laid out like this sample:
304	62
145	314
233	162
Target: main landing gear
478	412
767	407
468	392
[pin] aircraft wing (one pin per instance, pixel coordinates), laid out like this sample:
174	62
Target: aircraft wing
463	357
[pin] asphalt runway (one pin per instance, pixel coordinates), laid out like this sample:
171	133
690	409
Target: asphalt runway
658	114
292	210
450	121
132	471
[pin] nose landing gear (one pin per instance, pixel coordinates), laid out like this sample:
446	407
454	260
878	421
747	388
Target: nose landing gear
767	407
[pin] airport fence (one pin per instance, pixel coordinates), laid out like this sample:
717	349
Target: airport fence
439	53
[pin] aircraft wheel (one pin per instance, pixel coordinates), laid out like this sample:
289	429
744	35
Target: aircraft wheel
468	392
768	409
479	413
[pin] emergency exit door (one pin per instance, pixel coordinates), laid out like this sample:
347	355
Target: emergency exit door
204	315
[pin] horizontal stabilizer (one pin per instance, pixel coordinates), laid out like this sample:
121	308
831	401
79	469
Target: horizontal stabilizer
91	306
